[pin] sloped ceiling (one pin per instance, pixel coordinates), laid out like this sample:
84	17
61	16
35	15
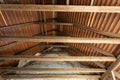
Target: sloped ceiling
91	25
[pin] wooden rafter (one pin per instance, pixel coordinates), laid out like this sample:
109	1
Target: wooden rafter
49	76
116	74
81	70
64	23
35	48
113	66
62	39
15	43
82	54
99	50
42	45
64	58
60	8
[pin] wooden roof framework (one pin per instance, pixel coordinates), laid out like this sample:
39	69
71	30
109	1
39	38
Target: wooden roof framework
111	38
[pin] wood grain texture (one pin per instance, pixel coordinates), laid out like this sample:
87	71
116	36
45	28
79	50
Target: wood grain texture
64	58
68	70
60	8
50	76
112	67
58	39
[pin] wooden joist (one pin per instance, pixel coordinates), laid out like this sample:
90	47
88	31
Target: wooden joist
50	45
59	39
97	31
64	23
117	74
15	43
37	22
60	8
67	70
49	76
99	50
113	66
64	58
42	45
83	54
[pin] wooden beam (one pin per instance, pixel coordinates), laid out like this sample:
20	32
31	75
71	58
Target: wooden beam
29	51
64	58
91	29
117	74
64	23
99	50
113	66
66	70
49	52
82	54
37	22
59	39
44	45
60	8
50	45
50	76
15	43
113	75
97	31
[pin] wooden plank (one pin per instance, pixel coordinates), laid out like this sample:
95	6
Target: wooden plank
97	31
82	54
50	45
113	66
113	75
60	8
32	23
64	58
67	70
44	45
15	43
99	50
117	74
35	48
64	23
50	76
59	39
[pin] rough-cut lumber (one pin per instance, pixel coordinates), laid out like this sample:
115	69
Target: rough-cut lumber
50	45
83	54
99	50
35	48
50	76
81	70
113	66
64	58
42	45
60	8
97	31
58	39
63	23
15	43
117	74
37	22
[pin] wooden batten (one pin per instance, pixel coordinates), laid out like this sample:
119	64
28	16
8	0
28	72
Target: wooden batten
60	8
50	76
64	58
67	70
58	39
